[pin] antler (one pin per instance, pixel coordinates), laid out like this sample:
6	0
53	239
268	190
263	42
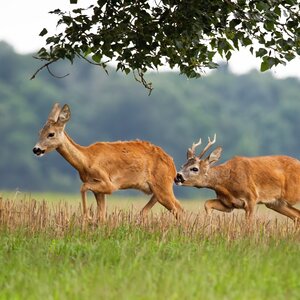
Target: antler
210	143
191	151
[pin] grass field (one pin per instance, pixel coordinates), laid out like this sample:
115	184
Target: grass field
47	252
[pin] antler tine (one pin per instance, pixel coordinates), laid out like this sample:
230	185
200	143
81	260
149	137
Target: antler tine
195	145
209	144
191	151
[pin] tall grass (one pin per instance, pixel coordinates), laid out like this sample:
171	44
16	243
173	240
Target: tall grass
61	217
48	252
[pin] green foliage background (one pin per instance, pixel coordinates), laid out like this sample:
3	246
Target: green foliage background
253	114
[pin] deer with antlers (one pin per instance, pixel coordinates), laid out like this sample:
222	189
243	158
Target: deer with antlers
242	182
105	167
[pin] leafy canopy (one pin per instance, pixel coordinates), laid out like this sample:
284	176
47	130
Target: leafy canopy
186	34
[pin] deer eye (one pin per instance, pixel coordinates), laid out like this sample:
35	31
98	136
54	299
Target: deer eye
50	135
194	169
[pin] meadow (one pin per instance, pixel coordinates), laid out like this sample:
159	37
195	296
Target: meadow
47	252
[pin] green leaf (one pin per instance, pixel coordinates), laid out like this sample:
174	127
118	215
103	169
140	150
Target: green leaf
269	25
268	63
277	11
247	41
233	23
97	57
261	52
67	19
228	55
56	11
73	1
290	56
87	52
43	32
262	5
264	66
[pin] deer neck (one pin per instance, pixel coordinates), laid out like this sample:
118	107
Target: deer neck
216	176
73	153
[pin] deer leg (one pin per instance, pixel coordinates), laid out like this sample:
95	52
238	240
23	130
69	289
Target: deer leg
103	187
165	196
217	204
284	209
84	205
169	205
295	210
97	187
148	206
178	206
249	209
101	211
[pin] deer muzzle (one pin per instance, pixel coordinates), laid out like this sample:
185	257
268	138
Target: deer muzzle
38	151
179	179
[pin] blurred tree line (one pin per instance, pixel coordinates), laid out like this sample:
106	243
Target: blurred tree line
253	114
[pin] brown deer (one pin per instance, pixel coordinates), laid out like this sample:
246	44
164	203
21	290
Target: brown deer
241	182
105	167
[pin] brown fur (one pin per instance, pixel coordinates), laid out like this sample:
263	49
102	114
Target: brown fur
107	167
242	182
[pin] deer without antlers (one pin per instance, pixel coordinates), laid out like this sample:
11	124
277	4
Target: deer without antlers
241	182
105	167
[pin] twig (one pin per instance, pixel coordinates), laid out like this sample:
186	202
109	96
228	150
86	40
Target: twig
47	66
140	78
42	67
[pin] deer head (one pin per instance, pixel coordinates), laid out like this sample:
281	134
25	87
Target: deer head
51	135
194	172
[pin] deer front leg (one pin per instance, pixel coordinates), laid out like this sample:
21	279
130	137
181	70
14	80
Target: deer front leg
86	215
249	209
101	210
148	206
165	196
217	204
97	187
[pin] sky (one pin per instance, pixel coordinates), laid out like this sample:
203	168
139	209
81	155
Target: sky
22	21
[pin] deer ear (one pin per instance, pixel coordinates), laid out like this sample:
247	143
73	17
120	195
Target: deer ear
53	116
214	156
64	115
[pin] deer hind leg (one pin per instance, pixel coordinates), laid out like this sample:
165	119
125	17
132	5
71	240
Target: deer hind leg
101	209
283	208
217	204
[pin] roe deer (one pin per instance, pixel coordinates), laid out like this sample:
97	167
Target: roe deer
241	182
105	167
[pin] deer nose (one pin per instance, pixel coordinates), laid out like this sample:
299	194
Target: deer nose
179	178
38	151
